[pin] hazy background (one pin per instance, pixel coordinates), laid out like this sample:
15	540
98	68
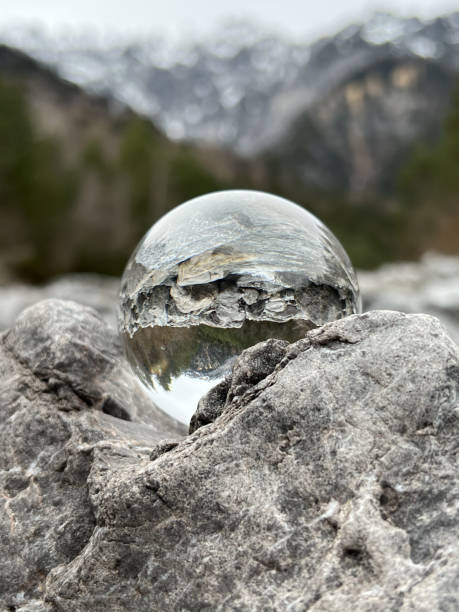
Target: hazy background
174	18
112	113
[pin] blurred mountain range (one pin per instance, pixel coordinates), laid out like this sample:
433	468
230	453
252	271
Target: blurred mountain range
99	138
357	100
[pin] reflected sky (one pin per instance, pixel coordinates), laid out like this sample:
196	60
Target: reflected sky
181	401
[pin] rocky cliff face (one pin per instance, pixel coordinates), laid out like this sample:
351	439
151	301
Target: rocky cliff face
359	135
321	478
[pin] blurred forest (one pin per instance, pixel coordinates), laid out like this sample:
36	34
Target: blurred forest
79	196
85	212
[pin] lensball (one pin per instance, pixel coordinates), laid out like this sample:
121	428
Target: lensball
218	274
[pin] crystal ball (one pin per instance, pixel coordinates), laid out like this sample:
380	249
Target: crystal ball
218	274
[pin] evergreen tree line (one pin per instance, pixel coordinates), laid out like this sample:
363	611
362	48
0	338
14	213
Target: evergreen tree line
88	214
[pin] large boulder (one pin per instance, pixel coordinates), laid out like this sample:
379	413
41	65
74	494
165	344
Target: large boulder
320	476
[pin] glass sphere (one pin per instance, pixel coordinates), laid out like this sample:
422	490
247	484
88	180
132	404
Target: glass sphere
218	274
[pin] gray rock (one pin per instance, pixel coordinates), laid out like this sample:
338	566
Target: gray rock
99	292
252	366
64	391
430	286
325	478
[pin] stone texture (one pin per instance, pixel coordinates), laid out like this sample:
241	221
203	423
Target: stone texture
322	476
252	366
64	391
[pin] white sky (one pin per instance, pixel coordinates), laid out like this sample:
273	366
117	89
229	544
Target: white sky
177	18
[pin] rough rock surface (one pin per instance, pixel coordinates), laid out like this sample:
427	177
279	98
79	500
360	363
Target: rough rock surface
64	391
325	479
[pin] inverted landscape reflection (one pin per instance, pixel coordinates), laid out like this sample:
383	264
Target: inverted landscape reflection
220	273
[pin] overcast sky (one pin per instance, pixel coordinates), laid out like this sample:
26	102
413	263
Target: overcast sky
178	18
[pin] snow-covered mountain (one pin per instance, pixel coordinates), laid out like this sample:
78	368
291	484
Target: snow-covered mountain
241	87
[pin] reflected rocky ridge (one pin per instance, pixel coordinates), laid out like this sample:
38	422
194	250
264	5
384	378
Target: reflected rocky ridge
221	273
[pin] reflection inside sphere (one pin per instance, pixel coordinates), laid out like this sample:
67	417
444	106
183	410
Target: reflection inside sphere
219	274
